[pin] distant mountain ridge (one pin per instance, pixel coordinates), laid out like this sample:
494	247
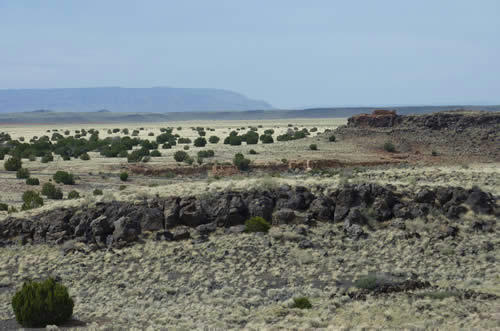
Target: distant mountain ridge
103	116
119	99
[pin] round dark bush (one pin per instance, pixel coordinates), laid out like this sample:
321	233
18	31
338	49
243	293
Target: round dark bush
213	139
257	224
51	191
184	141
252	151
123	176
23	173
73	195
266	139
31	199
32	181
13	164
85	157
301	303
97	192
313	147
389	147
47	158
332	138
200	142
4	207
155	153
38	304
186	148
180	156
64	177
207	153
240	162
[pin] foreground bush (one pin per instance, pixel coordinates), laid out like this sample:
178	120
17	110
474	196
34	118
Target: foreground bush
73	195
301	303
123	176
23	173
180	156
52	192
32	181
213	139
200	142
38	304
85	157
389	147
4	207
31	199
257	224
64	177
13	164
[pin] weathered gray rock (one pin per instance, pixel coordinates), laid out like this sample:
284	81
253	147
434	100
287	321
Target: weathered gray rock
283	216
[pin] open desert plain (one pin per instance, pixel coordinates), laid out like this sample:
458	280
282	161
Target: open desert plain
378	220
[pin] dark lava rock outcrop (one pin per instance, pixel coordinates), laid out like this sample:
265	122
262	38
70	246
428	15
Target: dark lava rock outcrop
119	223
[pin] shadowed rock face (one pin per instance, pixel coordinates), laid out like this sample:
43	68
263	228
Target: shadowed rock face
120	223
443	120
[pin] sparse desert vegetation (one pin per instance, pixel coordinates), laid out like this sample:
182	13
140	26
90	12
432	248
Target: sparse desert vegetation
316	224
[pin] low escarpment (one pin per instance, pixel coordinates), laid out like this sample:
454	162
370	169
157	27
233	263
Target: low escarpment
115	224
459	135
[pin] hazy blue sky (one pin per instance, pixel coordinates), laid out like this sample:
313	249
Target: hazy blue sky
291	53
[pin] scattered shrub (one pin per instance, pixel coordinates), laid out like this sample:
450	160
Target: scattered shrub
233	140
200	142
180	156
123	176
313	147
38	304
85	157
166	146
257	224
23	173
206	153
332	138
51	191
151	134
302	303
434	153
186	147
31	199
73	195
213	139
240	162
47	158
13	164
32	181
366	282
155	153
97	192
122	187
64	177
389	147
266	139
184	141
4	207
252	151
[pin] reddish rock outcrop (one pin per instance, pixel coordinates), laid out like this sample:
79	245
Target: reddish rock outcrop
379	118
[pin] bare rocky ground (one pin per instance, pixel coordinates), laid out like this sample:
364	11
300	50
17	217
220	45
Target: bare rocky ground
434	256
